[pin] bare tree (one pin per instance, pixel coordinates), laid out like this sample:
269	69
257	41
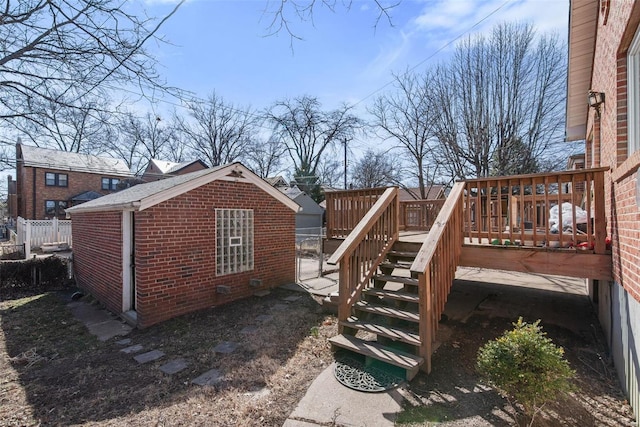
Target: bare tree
264	156
60	51
307	132
217	131
501	103
376	169
405	116
81	128
137	140
284	14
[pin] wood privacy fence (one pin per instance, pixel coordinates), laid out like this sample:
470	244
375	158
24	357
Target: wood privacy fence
34	233
365	248
517	209
345	208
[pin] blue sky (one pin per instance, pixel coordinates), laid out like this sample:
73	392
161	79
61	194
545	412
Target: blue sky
223	45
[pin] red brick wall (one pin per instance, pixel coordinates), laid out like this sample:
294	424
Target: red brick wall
609	76
97	256
175	250
77	182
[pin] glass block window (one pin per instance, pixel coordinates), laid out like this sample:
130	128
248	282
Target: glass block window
234	241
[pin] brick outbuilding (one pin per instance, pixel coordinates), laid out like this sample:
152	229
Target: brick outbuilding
170	247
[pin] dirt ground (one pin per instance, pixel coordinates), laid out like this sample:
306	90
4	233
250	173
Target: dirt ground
53	372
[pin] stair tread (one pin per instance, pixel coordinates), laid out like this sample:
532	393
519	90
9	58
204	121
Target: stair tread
391	332
387	311
398	279
377	351
405	266
402	254
397	295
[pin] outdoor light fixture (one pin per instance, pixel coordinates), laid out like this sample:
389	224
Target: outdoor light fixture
595	99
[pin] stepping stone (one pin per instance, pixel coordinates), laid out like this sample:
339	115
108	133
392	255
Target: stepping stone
264	318
132	349
251	329
292	298
279	307
262	293
174	366
149	356
125	341
258	394
226	347
211	377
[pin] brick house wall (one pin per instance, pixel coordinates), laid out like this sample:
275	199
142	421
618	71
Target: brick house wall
610	133
618	302
97	256
32	190
175	251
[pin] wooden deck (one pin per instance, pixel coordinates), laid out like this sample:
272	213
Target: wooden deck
542	223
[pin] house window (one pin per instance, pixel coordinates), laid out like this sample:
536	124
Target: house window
633	95
110	183
234	241
56	179
54	208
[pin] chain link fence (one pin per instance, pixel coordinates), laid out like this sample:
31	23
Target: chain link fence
309	256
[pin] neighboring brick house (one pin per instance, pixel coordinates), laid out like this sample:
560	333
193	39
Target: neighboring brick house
169	247
161	169
48	181
604	60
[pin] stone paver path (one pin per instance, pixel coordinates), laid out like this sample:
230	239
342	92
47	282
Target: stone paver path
125	341
137	348
226	347
279	307
251	329
174	366
211	377
264	318
149	356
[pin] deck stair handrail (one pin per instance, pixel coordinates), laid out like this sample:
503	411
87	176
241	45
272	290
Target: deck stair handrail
435	267
365	248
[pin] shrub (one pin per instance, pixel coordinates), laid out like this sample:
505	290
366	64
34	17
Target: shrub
34	275
523	364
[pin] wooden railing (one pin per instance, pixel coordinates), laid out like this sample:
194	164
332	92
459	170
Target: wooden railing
345	209
515	210
364	249
419	214
435	267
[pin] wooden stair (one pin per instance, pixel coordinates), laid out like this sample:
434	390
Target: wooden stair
388	310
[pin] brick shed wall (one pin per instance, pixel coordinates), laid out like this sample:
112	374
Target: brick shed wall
97	256
175	250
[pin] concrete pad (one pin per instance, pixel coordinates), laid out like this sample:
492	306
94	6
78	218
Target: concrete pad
264	318
321	286
149	356
210	378
327	402
174	366
226	347
99	322
109	329
298	423
132	349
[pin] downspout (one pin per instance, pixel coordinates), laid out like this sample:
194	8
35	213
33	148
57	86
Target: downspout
33	196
